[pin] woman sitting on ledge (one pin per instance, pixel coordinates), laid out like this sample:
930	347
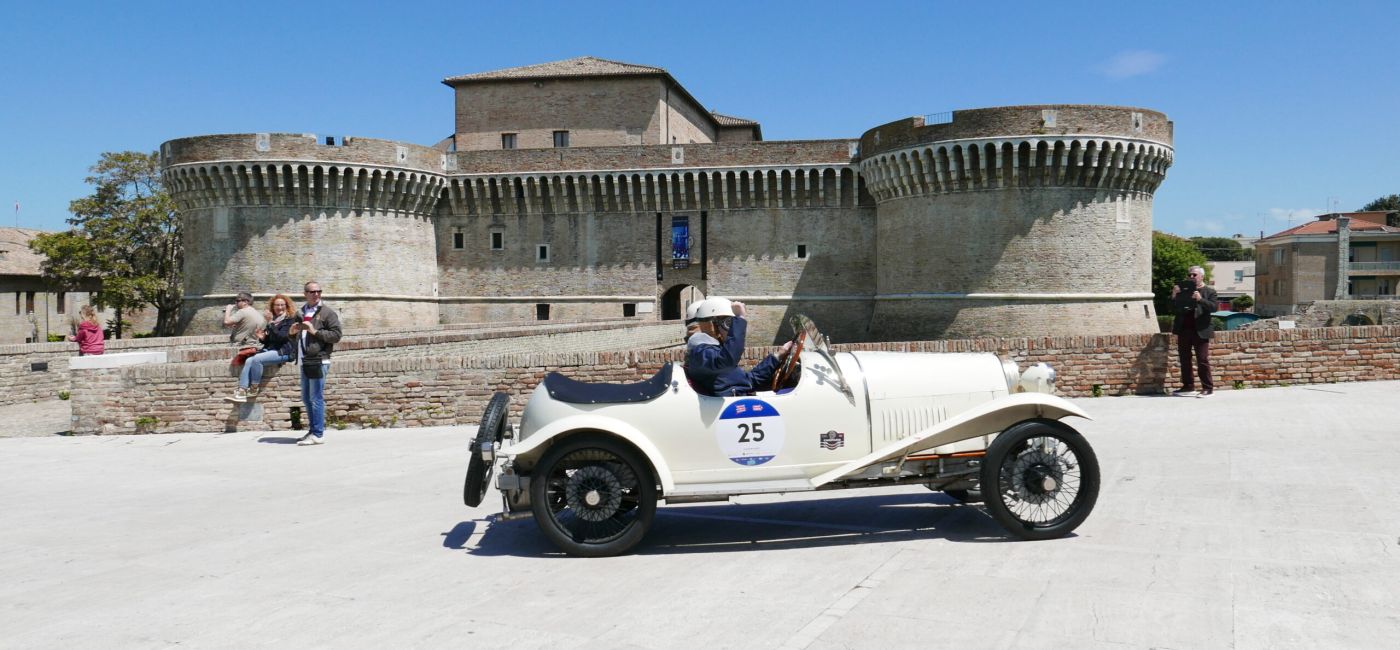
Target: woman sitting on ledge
277	348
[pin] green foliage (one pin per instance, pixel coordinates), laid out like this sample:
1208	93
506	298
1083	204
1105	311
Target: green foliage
1387	203
125	234
1217	323
1222	249
146	423
1096	390
1239	384
1172	257
1241	303
56	338
63	394
1164	323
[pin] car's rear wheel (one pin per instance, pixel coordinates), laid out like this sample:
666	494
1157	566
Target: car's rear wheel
1040	479
593	496
490	432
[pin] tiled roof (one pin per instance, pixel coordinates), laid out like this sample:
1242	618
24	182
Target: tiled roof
730	120
17	258
583	66
1329	227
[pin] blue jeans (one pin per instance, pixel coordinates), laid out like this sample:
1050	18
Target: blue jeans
313	397
253	367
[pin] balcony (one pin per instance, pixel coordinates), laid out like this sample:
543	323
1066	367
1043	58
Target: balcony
1370	268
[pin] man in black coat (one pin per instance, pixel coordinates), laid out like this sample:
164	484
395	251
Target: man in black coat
1193	332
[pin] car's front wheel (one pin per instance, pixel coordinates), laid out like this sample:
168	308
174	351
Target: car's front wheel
1040	479
593	496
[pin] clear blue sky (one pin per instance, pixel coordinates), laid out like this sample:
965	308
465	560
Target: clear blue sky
1280	107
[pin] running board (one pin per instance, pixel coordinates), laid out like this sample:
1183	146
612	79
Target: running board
689	490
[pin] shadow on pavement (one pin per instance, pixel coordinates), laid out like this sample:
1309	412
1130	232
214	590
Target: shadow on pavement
278	440
806	523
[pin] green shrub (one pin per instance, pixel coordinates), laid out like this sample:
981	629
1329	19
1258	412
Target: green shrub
1217	324
1164	323
56	338
1097	390
1239	385
63	394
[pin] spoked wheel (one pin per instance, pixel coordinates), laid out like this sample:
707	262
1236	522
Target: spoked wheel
593	496
491	432
1040	479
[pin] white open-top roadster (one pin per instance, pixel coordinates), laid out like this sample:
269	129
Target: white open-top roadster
591	461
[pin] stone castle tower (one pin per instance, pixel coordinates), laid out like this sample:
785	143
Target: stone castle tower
595	189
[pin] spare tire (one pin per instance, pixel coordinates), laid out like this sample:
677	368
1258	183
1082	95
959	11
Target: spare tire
488	434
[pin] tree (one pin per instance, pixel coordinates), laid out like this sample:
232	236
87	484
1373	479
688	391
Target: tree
1387	203
1222	249
127	235
1172	258
1241	303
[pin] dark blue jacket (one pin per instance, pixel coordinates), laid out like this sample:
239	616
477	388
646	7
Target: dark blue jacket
279	338
713	367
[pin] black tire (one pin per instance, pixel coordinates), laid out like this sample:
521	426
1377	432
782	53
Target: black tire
593	496
1040	479
492	429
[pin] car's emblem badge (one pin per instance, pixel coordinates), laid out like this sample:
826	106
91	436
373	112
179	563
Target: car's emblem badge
833	439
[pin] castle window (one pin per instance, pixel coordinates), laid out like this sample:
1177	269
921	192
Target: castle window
498	241
542	253
29	302
541	311
801	251
458	240
507	140
629	309
62	302
561	139
17	299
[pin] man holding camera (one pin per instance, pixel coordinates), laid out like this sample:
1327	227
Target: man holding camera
316	336
1193	302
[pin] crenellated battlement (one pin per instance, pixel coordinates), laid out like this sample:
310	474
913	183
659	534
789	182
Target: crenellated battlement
1047	161
299	183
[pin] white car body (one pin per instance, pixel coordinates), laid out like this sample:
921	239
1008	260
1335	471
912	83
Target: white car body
853	419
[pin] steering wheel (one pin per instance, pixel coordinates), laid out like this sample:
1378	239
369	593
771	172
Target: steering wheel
789	363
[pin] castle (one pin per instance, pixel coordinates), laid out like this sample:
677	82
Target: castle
589	188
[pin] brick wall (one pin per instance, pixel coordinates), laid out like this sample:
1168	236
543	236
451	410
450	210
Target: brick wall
445	389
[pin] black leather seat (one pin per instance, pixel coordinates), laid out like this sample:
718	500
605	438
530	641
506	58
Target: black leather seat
580	392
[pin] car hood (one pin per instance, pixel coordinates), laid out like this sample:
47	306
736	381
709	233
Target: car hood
912	391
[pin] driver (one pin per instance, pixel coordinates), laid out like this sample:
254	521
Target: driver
692	324
713	353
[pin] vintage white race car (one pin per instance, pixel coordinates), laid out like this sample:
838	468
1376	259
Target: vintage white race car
591	461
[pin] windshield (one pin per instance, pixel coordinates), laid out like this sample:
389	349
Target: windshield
818	344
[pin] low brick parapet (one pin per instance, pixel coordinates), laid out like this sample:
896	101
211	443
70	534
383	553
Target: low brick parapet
453	389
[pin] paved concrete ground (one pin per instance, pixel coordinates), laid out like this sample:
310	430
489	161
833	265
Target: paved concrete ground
1254	519
47	418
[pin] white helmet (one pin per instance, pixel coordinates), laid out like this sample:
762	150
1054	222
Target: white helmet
690	311
713	308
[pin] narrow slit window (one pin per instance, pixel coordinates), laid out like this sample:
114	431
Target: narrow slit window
458	240
62	302
801	251
542	253
498	241
542	311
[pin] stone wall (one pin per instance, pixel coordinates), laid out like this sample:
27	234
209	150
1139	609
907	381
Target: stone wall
445	389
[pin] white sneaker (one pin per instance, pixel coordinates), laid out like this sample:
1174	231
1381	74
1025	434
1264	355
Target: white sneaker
308	440
239	396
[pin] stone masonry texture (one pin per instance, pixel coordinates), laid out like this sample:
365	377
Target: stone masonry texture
1002	221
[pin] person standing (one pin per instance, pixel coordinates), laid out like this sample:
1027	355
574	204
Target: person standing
1191	326
316	336
89	333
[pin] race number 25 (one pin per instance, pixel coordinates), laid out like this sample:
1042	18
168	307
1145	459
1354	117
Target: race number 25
751	431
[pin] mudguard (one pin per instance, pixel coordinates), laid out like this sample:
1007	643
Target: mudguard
991	417
536	443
